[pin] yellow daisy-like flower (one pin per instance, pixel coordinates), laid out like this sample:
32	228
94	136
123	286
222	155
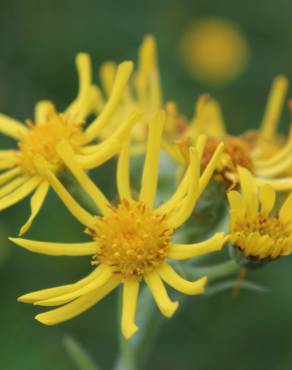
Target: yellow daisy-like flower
255	229
264	152
131	241
21	175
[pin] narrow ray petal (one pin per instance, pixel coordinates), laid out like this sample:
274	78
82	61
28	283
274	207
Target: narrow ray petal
151	164
12	127
123	73
65	151
285	213
78	306
267	199
184	251
274	107
42	110
8	175
188	203
103	275
19	193
57	249
209	170
36	202
130	298
12	185
77	211
157	288
170	276
123	172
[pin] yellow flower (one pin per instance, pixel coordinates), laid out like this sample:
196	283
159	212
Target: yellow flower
131	241
21	176
214	50
255	229
264	152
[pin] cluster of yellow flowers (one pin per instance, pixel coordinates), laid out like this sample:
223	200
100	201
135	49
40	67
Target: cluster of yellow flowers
133	240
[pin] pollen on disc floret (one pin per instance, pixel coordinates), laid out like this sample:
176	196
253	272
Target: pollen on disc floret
133	239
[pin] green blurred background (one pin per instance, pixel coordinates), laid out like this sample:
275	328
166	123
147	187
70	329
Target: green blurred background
38	43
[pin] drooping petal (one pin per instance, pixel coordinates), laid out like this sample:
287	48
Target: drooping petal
77	211
157	288
130	298
21	192
169	275
102	275
249	190
78	306
12	185
36	203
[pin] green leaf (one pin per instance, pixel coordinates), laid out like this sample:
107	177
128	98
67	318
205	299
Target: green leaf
79	356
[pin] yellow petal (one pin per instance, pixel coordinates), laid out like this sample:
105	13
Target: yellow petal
12	127
123	172
8	175
151	164
77	211
267	198
12	185
249	190
19	193
168	274
237	204
188	203
102	275
209	170
184	251
65	151
36	203
78	306
274	107
42	109
107	76
285	213
123	73
57	249
157	288
130	298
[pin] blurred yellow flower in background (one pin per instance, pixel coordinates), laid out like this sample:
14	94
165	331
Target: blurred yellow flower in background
131	241
214	50
256	228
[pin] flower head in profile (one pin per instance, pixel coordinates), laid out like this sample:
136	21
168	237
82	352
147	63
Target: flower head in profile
256	229
131	241
20	175
265	153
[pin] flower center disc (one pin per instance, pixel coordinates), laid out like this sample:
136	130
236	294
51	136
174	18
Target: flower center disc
133	239
43	138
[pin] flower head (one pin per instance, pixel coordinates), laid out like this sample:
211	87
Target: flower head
255	229
131	241
265	153
21	175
